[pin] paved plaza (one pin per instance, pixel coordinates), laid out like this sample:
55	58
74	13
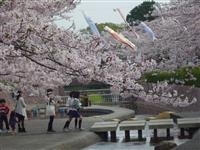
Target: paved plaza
37	138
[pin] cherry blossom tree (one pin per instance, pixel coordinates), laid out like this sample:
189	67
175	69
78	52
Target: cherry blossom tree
35	53
178	35
34	50
178	43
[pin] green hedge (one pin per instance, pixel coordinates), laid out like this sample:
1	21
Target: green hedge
180	75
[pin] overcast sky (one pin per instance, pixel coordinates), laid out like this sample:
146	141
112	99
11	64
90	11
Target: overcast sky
101	11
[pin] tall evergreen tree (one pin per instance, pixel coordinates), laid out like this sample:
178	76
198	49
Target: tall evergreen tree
141	12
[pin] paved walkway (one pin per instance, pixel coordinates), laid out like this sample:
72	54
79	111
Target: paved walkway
37	138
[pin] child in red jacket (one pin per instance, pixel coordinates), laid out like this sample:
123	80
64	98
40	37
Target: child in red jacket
4	110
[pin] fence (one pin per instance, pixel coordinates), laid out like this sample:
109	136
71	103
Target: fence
99	99
93	99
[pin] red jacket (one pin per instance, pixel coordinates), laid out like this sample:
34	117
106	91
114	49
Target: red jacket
4	109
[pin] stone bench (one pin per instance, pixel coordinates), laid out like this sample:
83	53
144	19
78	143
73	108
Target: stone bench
161	124
188	123
132	125
102	129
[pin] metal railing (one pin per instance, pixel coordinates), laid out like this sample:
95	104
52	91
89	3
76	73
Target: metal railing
93	99
99	99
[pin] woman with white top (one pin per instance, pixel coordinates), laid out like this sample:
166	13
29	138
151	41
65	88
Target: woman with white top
50	109
20	111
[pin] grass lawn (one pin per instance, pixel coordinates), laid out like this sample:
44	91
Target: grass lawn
95	98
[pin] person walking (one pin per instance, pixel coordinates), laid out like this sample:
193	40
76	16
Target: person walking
20	110
4	110
69	111
77	105
73	111
50	109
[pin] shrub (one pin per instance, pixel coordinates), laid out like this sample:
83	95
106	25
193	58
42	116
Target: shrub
187	76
